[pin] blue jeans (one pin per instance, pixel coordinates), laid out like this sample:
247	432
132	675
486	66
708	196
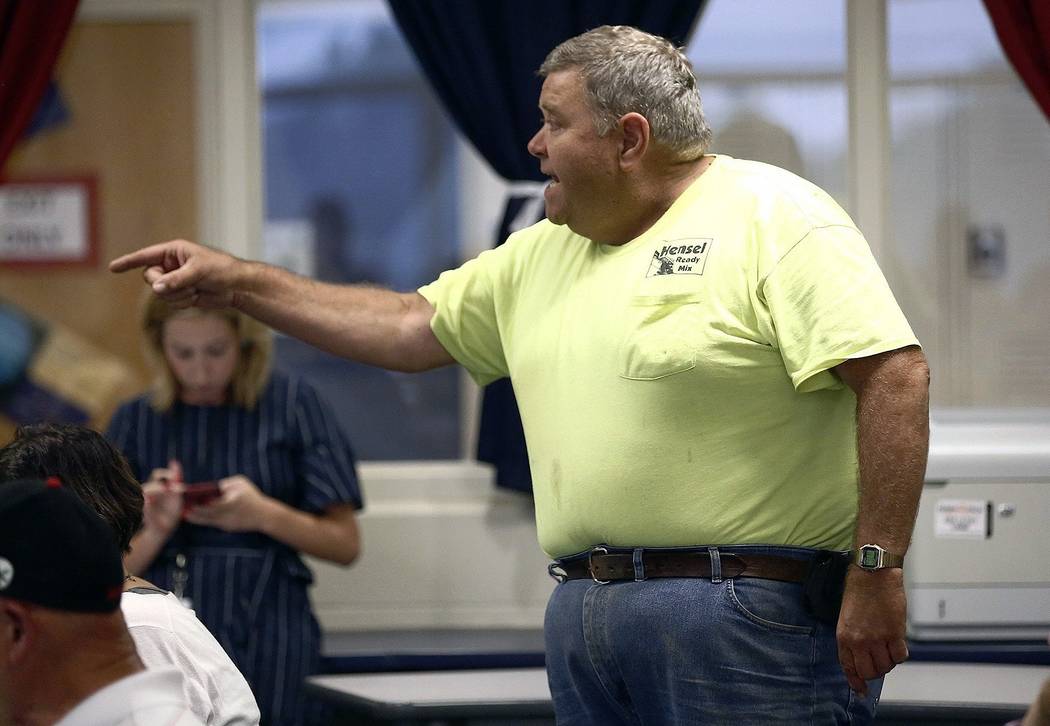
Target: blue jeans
682	651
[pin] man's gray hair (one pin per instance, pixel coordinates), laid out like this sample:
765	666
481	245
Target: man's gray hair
625	69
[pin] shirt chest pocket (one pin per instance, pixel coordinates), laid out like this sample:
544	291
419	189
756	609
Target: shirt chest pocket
660	336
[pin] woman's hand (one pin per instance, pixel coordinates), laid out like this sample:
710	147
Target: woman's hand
162	509
241	508
332	535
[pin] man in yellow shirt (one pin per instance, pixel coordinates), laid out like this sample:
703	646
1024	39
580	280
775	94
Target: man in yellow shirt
718	390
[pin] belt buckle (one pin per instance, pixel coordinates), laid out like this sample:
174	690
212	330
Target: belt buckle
590	564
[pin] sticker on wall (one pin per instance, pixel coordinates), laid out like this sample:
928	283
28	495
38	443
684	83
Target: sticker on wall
49	222
966	518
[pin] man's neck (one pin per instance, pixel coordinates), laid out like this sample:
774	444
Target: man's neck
65	682
133	581
651	197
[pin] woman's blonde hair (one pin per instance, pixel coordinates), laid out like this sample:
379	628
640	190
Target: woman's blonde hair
253	365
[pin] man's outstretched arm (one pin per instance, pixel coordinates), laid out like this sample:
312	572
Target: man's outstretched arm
361	322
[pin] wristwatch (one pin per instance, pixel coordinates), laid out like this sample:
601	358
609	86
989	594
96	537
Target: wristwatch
872	557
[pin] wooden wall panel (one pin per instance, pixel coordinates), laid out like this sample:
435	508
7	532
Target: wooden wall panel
129	87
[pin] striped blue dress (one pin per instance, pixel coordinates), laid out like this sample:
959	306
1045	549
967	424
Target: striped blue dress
248	589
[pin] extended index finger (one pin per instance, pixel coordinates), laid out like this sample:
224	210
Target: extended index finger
160	254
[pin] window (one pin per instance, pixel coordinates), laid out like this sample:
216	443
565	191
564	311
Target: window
967	247
360	185
365	178
969	252
772	79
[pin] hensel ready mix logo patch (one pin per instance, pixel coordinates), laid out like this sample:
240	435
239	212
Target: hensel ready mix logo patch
680	257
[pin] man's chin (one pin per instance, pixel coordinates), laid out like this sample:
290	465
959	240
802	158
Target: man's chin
554	216
561	220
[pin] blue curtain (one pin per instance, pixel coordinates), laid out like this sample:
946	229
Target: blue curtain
481	56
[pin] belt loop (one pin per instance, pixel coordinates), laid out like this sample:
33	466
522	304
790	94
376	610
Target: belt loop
639	566
716	564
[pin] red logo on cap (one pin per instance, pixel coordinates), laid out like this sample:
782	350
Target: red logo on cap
53	482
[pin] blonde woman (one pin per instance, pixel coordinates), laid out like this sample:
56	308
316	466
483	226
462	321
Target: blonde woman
243	469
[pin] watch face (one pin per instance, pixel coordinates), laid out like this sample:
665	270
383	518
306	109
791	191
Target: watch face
869	557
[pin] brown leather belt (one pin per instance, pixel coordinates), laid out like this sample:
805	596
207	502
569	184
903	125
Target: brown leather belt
602	566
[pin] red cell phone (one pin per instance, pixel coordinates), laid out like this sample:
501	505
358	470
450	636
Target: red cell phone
194	495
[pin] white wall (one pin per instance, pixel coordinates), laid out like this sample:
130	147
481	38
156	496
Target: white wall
442	548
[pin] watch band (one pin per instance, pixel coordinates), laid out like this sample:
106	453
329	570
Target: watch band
873	557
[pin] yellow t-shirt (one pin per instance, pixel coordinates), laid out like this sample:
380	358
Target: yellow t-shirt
675	390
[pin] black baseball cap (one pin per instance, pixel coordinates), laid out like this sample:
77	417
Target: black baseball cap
55	551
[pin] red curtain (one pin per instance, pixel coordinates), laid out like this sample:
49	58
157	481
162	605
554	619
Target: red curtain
31	35
1023	27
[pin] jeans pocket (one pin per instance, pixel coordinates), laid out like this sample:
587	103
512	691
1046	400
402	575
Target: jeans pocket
770	604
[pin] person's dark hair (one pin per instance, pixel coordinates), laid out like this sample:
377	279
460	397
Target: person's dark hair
86	464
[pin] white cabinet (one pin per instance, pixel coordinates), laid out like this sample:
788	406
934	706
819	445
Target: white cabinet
979	563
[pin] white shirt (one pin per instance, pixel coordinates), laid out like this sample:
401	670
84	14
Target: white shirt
168	634
148	698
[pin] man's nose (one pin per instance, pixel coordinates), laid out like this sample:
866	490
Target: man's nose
536	146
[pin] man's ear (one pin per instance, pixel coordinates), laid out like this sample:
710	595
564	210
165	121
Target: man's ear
634	139
17	630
